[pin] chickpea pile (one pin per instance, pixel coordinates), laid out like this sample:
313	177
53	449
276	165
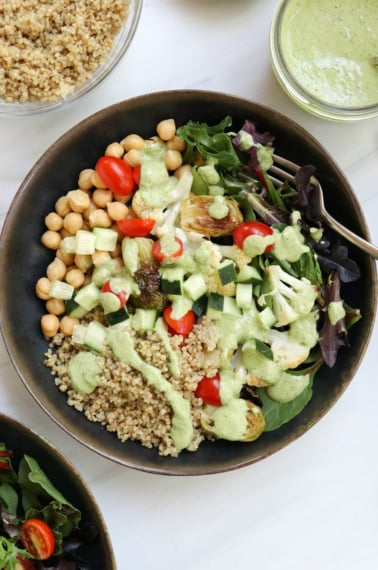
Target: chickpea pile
93	205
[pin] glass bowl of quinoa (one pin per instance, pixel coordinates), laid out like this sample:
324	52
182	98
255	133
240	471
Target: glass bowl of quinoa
53	53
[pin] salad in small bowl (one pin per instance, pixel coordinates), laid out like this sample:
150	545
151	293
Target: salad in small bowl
192	314
48	516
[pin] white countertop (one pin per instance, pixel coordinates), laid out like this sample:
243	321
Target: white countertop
314	505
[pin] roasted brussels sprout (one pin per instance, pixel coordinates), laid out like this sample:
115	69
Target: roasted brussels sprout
195	217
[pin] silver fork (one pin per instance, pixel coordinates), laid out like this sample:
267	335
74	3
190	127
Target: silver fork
284	169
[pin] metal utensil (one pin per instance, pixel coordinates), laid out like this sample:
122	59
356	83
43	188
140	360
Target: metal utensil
284	169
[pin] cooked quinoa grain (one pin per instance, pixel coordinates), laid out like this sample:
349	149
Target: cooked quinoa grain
124	403
48	48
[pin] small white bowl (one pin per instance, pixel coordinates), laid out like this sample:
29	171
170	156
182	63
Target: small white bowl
327	80
121	44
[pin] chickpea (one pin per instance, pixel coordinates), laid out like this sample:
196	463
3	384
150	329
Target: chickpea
114	149
78	200
85	179
51	239
96	180
117	252
67	258
166	129
73	222
176	143
101	197
99	218
124	198
42	288
75	277
99	257
132	157
181	169
55	307
65	233
117	210
132	141
173	159
87	212
56	269
67	324
83	262
61	206
54	222
49	325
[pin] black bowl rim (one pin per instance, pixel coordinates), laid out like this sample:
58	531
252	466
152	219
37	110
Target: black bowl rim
152	97
47	448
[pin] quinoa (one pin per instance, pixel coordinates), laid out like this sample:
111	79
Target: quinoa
48	48
124	402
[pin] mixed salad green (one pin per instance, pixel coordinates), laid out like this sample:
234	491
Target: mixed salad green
39	528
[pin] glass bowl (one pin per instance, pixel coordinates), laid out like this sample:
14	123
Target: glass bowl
120	45
323	56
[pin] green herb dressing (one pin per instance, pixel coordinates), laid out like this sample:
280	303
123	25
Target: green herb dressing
329	47
122	345
335	311
156	184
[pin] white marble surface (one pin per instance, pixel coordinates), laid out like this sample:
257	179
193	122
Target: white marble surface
312	506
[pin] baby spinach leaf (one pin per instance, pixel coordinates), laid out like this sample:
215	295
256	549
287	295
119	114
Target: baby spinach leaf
277	414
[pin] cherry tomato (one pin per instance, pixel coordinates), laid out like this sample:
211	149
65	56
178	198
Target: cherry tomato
159	256
136	174
181	326
116	174
246	229
122	296
208	389
136	227
24	564
38	538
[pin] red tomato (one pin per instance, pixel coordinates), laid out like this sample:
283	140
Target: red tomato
116	174
24	563
136	227
136	174
122	296
208	389
38	539
181	326
159	256
246	229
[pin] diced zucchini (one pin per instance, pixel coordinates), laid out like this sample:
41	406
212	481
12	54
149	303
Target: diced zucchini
180	306
78	334
230	307
130	254
68	244
267	318
195	286
244	295
61	290
216	302
104	271
95	336
88	296
226	271
117	317
144	319
200	305
248	274
85	242
172	280
73	309
106	239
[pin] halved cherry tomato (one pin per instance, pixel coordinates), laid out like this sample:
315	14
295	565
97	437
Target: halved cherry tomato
136	174
181	326
24	563
159	256
246	229
37	538
208	389
136	227
122	295
116	174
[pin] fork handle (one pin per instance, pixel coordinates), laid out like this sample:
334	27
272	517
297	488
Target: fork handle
357	240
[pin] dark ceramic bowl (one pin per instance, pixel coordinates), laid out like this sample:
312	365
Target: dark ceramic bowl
23	260
21	439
